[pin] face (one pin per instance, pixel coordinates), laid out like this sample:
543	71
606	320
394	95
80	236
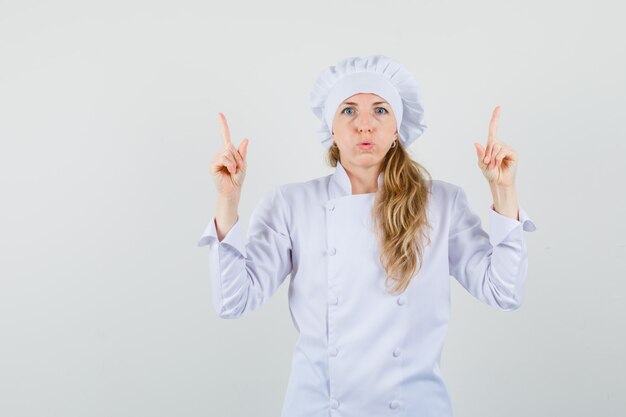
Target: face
364	129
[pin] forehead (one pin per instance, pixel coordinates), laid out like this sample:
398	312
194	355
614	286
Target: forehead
365	98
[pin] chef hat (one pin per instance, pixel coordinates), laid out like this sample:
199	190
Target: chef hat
375	74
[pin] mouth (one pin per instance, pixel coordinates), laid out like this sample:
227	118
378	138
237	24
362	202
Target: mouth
366	145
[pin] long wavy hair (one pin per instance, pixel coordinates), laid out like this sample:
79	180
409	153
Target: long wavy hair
399	215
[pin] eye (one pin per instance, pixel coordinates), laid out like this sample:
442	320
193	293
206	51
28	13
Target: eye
347	108
382	108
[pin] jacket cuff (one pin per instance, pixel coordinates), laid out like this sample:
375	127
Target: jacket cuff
233	238
500	226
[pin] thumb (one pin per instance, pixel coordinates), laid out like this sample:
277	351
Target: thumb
243	148
480	151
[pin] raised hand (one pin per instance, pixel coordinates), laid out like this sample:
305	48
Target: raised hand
228	166
497	161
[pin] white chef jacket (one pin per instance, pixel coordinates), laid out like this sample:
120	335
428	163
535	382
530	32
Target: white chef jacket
361	351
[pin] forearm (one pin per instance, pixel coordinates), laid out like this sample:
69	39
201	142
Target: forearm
505	200
225	215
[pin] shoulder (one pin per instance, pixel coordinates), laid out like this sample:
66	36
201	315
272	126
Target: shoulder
287	198
293	192
290	200
444	202
444	191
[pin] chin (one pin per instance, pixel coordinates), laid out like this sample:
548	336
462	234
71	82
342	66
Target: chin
365	158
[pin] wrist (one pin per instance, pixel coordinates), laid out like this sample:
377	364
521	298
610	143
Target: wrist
228	200
501	187
505	200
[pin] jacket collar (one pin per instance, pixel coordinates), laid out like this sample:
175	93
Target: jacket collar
340	184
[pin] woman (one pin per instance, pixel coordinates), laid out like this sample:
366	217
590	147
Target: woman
369	248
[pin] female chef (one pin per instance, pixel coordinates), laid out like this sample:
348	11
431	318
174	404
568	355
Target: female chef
369	249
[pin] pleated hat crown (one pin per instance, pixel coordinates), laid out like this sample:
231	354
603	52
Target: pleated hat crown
377	74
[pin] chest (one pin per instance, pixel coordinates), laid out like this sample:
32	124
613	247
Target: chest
335	247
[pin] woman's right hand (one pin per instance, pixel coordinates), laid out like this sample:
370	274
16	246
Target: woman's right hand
228	166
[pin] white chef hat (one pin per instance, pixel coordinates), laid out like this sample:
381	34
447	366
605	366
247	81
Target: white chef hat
377	74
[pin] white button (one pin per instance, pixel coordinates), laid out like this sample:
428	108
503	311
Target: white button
394	404
333	351
396	352
332	251
334	300
331	206
334	403
400	301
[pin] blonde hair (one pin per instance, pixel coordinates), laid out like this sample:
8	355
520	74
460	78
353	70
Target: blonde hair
399	214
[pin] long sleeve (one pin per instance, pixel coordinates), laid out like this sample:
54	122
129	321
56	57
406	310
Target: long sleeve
492	267
244	276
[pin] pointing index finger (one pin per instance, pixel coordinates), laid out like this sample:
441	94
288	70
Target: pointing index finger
225	131
493	125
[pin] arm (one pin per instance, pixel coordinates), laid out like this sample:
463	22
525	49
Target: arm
505	200
225	214
244	276
492	267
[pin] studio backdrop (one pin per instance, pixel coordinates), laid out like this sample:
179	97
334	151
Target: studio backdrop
108	123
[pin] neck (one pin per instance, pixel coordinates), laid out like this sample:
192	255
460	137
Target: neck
364	180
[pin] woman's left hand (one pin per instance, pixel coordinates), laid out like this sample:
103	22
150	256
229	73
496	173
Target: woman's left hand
498	161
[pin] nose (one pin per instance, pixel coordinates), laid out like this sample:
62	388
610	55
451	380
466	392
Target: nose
364	122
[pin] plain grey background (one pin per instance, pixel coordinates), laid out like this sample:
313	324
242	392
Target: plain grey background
108	122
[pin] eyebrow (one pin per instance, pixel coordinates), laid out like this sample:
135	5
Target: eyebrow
373	104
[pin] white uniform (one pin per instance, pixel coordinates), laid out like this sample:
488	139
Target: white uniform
362	351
